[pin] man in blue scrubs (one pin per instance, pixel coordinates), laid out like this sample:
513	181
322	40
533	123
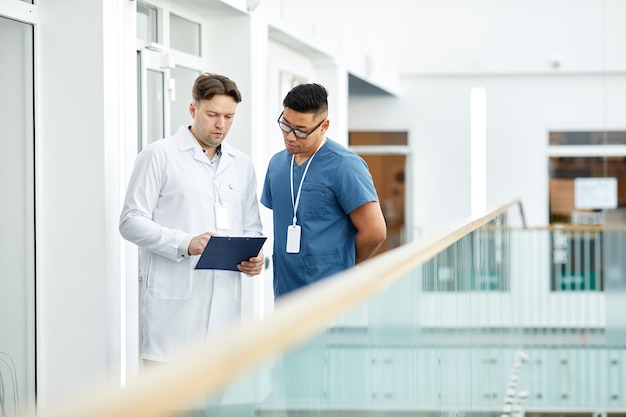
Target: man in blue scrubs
326	212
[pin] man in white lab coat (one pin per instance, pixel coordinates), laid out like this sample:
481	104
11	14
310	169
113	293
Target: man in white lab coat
184	189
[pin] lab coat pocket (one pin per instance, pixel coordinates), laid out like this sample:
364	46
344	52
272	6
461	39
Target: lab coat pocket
169	280
234	192
235	198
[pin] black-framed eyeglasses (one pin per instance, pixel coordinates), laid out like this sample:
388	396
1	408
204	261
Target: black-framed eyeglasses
299	133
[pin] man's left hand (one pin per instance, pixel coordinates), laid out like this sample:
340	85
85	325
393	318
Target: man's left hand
252	266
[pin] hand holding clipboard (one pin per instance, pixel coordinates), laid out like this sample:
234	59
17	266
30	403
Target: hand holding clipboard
226	252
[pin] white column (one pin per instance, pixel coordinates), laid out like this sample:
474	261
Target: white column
85	116
335	79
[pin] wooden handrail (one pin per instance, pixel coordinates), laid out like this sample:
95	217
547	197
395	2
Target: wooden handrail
297	317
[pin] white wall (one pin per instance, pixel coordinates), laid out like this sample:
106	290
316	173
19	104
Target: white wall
512	36
355	33
218	59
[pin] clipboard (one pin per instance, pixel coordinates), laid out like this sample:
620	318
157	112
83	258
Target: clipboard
226	252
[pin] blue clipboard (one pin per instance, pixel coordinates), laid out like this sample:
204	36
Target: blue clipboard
226	252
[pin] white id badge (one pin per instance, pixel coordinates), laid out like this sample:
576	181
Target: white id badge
221	217
293	239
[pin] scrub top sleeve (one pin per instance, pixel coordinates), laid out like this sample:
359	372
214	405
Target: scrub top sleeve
354	184
266	195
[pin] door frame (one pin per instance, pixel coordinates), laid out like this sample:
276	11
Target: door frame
410	232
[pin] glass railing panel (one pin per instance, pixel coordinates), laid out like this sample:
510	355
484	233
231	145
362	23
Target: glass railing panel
411	347
478	325
577	259
614	243
481	328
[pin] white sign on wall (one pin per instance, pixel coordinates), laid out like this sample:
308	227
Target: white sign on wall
595	193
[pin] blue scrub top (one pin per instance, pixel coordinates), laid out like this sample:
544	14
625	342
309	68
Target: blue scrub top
337	182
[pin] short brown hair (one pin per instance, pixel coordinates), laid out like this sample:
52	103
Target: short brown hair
207	85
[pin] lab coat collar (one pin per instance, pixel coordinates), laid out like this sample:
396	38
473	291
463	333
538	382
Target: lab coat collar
186	141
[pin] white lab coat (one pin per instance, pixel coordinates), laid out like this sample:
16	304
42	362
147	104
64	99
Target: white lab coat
170	198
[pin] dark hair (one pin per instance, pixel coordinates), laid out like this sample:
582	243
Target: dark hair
207	85
307	98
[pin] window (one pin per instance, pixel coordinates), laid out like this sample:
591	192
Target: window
147	23
587	138
563	172
184	35
587	190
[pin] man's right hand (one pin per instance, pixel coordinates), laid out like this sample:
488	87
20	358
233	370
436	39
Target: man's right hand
198	243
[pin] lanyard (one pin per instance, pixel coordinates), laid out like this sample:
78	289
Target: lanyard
297	199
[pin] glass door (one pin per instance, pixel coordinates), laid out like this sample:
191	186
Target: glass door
152	124
17	218
153	98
